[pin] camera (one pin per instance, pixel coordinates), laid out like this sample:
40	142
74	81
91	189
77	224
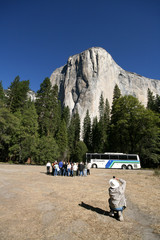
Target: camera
114	177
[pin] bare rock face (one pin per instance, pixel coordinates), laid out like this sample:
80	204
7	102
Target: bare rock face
92	72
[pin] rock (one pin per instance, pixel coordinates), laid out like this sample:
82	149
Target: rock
31	95
92	72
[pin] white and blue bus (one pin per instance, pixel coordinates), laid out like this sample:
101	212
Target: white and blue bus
113	160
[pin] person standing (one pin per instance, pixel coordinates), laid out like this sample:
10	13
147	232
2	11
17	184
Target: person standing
88	168
56	168
81	169
60	167
53	168
85	170
117	200
75	168
64	169
48	165
69	169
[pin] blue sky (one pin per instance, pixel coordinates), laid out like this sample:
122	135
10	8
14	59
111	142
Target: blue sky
37	36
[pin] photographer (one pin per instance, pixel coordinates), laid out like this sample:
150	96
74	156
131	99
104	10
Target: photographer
117	201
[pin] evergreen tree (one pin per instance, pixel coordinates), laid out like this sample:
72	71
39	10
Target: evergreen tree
17	94
66	115
133	128
95	135
151	100
107	113
80	151
29	126
47	150
48	109
24	140
116	93
62	139
149	146
2	95
77	127
9	125
101	127
116	96
87	131
101	106
157	104
73	133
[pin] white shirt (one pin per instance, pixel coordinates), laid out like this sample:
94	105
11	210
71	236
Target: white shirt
75	167
48	164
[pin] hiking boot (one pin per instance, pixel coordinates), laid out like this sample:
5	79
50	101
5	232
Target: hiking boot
120	216
111	213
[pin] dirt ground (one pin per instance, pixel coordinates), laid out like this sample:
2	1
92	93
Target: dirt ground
34	205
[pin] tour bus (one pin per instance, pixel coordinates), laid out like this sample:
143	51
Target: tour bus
113	160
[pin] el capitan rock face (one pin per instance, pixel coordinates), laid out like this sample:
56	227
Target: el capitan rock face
92	72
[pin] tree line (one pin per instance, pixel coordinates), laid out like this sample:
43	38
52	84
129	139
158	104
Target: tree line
45	130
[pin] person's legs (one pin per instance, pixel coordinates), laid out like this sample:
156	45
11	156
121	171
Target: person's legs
69	172
119	212
111	213
120	216
55	172
48	170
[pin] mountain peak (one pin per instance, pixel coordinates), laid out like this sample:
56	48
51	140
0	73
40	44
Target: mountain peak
93	72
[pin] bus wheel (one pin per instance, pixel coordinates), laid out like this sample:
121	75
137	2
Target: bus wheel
124	166
94	166
129	167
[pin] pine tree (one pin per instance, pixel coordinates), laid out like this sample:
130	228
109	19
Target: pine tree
47	150
87	131
107	113
80	151
157	104
62	139
24	140
102	125
135	129
101	106
73	133
116	93
48	109
116	96
95	135
9	125
151	100
66	115
2	95
29	126
17	94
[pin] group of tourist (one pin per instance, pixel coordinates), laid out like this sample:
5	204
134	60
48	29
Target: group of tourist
68	169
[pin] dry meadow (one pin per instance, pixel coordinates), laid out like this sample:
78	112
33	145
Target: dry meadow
34	205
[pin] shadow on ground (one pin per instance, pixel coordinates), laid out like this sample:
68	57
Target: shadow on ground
94	209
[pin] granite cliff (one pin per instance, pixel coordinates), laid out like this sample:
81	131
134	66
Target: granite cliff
92	72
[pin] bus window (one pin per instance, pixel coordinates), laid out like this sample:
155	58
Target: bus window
132	157
88	157
123	157
113	156
95	156
104	156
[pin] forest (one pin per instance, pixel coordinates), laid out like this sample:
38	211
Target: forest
44	130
